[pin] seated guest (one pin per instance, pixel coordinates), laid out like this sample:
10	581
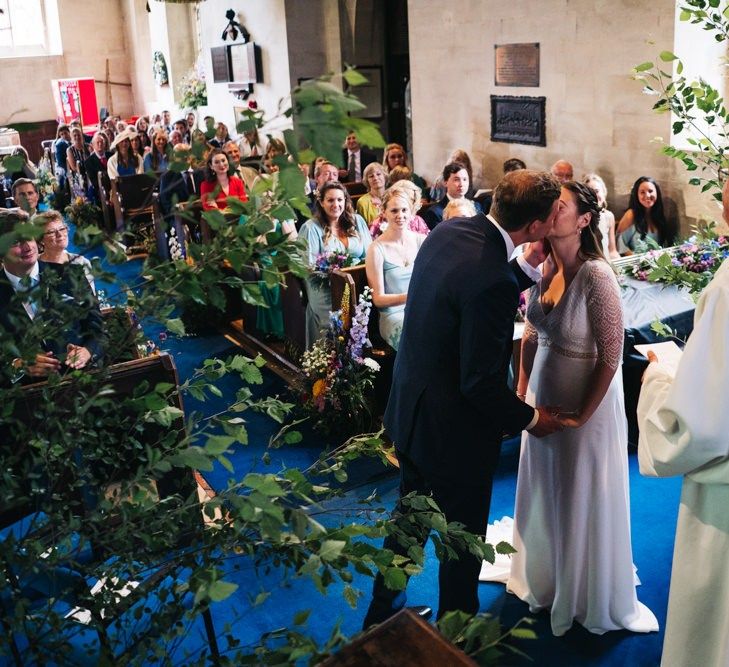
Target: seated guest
246	174
221	136
97	162
156	159
395	156
401	173
607	219
645	219
124	162
275	148
77	153
166	121
368	205
513	164
176	137
562	171
252	145
55	242
414	195
455	179
324	173
181	127
176	188
60	145
25	195
219	184
191	120
110	136
137	148
59	326
335	227
27	169
390	264
437	192
142	128
459	208
355	158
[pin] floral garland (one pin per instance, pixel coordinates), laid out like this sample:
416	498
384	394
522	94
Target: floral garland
337	378
691	265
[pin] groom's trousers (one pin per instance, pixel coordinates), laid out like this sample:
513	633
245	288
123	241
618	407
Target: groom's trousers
457	577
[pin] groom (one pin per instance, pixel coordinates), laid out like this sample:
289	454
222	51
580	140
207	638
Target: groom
450	404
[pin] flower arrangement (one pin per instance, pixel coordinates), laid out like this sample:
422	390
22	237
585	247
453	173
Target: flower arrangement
336	376
326	262
193	91
46	183
83	213
691	265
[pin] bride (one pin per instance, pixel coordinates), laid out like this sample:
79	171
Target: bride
572	516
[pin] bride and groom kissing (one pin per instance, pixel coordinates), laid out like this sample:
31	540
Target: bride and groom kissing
450	404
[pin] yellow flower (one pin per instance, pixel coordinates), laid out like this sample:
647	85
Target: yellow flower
318	388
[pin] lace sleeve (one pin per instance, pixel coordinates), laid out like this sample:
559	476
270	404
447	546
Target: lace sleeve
530	333
605	312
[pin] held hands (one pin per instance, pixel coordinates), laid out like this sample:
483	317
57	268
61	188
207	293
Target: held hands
548	422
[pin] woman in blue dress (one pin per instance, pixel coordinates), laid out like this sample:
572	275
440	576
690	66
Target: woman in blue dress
335	227
645	219
390	264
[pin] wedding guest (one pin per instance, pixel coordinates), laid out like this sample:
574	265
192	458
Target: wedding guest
181	127
221	136
219	184
355	158
25	195
191	120
414	195
683	424
607	219
334	227
645	219
459	208
562	171
77	153
142	128
124	162
60	146
246	174
572	516
390	264
438	191
27	169
401	173
457	182
176	137
55	244
395	156
368	205
156	159
97	162
512	164
252	145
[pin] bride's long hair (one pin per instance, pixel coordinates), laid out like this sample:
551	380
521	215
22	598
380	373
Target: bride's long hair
590	236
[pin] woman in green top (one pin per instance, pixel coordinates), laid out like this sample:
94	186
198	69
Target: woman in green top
374	178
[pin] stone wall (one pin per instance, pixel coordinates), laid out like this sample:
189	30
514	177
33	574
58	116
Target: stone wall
596	116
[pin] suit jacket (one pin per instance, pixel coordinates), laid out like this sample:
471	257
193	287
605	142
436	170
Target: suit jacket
450	403
93	167
67	312
173	188
366	156
434	213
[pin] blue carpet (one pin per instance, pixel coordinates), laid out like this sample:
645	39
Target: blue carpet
654	507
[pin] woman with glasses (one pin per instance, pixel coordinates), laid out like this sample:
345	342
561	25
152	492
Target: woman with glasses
55	241
395	156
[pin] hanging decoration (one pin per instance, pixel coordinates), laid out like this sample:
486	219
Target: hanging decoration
159	67
233	28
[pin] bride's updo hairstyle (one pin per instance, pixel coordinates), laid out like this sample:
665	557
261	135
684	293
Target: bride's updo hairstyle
591	236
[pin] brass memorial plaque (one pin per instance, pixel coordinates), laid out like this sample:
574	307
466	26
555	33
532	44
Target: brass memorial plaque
517	64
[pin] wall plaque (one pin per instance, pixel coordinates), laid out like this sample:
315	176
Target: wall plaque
517	64
221	66
518	120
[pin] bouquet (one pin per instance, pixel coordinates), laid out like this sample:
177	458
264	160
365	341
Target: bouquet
46	183
337	379
326	262
691	265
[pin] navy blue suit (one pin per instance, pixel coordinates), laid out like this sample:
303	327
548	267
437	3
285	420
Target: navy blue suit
450	404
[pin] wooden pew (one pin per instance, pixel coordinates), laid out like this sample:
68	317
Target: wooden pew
136	211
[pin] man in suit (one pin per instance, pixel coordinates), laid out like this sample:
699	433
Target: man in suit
246	173
96	162
25	195
450	404
355	159
455	178
47	311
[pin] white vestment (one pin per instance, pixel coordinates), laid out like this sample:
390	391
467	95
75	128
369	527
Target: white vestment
684	430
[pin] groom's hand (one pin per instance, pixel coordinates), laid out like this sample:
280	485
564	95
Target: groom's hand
536	253
547	423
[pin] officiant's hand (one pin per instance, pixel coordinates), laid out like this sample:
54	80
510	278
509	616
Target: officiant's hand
652	356
547	423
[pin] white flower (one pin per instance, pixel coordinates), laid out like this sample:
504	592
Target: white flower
371	364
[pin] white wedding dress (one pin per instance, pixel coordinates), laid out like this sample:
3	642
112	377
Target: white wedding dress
572	515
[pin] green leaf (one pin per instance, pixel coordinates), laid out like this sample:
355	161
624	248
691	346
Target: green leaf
217	444
220	590
350	595
353	77
331	549
265	484
193	457
667	56
395	579
175	326
523	633
505	548
300	617
643	67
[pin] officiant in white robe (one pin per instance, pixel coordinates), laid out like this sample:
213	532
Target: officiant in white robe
684	430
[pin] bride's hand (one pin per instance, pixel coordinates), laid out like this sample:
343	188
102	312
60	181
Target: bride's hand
536	253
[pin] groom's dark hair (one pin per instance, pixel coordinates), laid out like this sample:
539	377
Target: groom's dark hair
523	196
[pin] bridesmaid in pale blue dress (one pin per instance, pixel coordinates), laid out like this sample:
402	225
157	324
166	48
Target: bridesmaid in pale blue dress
390	264
335	227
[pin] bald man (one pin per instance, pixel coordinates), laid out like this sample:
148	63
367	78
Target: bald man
562	171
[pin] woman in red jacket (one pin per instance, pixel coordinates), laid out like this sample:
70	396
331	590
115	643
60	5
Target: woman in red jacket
219	184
